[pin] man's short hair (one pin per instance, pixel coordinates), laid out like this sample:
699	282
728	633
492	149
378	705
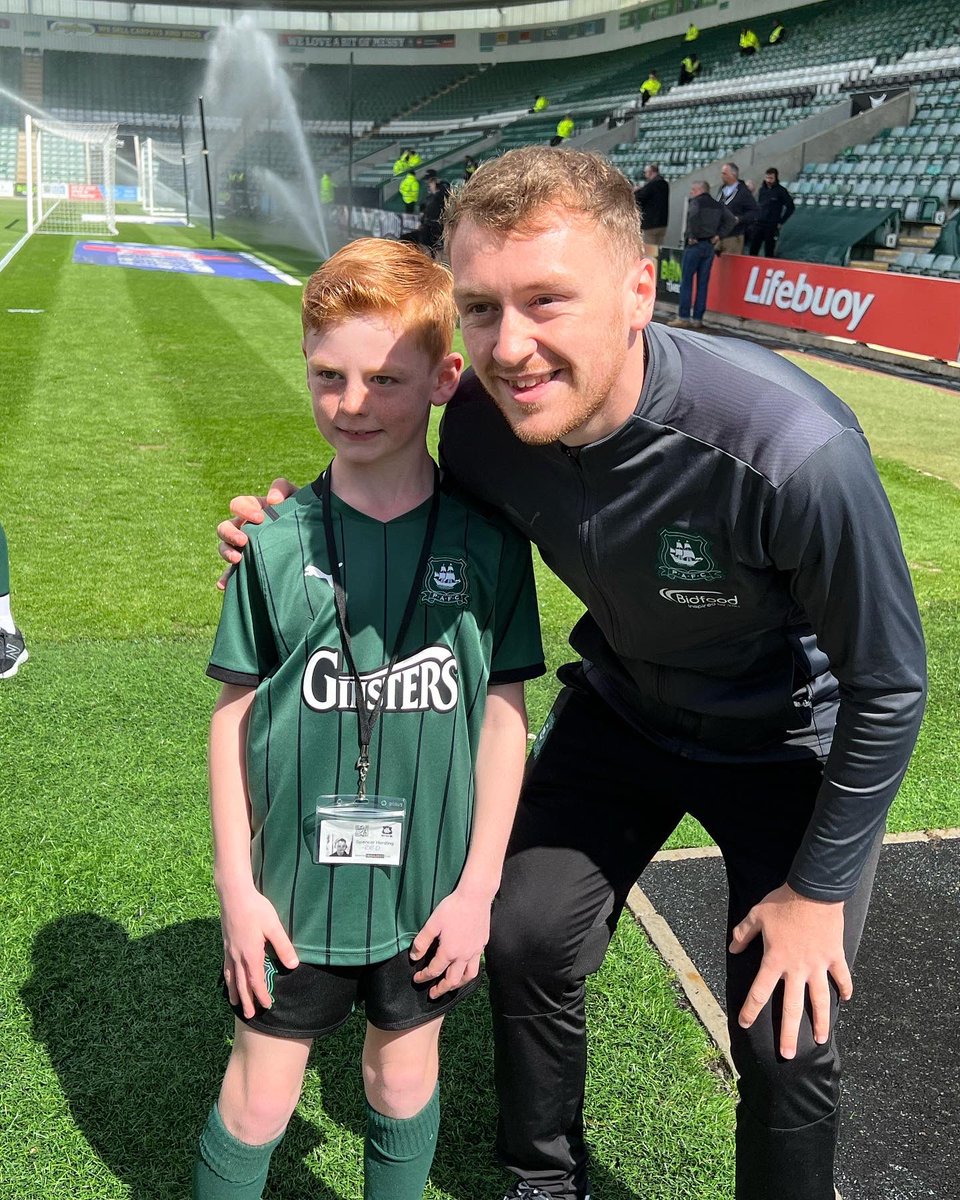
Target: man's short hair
394	280
731	166
513	193
654	167
774	172
702	185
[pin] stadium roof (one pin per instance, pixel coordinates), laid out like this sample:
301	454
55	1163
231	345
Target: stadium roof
327	6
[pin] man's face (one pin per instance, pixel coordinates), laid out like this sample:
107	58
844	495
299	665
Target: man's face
727	175
769	179
372	385
548	319
648	172
695	190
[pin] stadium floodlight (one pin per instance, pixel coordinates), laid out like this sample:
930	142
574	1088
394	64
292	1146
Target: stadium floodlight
171	177
71	176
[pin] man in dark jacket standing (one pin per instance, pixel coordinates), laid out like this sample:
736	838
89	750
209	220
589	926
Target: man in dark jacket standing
707	221
776	208
653	200
735	194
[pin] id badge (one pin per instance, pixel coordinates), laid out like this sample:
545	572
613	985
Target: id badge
367	830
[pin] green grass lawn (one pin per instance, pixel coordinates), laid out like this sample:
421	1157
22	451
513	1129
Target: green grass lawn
131	408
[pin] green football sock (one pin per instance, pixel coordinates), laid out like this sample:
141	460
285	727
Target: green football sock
228	1169
4	565
398	1154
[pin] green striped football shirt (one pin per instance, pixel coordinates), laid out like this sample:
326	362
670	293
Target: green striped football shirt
475	623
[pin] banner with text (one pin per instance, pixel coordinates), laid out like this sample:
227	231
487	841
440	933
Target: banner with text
904	312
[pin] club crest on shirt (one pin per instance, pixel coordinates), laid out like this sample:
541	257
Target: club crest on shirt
686	555
445	582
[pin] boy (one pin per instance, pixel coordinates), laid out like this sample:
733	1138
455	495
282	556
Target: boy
13	651
372	610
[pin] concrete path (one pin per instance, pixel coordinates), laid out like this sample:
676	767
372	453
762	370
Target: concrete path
900	1035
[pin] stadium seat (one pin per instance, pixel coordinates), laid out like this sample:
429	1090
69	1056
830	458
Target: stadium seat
904	261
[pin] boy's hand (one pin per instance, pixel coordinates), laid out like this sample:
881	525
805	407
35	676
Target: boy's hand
244	509
460	927
249	921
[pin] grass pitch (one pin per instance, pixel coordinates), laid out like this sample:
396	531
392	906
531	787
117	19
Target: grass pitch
131	408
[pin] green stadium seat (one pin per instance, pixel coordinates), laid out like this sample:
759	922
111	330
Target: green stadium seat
904	261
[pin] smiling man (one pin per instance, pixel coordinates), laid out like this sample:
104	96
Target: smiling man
751	653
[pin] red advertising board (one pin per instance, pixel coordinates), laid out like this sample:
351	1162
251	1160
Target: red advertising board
904	312
85	191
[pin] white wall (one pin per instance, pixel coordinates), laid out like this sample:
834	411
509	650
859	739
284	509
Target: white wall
25	31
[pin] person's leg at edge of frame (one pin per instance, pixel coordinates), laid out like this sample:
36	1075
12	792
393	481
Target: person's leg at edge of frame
704	267
565	882
403	1110
260	1090
787	1118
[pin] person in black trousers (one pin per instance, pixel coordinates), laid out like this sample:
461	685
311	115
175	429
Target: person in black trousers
653	200
776	208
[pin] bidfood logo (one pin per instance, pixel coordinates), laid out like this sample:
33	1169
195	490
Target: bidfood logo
776	290
690	598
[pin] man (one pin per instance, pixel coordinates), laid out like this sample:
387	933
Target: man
649	88
410	191
564	130
778	33
775	205
689	68
431	220
749	42
707	221
540	104
738	198
653	201
692	33
751	653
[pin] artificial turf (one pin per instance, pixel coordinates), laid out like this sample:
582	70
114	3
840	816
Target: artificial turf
131	407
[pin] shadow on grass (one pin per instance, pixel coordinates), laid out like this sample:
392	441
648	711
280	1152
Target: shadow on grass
139	1037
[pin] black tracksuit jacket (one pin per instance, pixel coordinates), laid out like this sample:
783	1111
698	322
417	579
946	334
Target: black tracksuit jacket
747	595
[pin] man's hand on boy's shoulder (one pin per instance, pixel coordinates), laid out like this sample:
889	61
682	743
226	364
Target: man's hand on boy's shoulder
247	509
457	929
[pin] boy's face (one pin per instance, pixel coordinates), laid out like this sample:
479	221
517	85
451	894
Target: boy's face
372	386
548	319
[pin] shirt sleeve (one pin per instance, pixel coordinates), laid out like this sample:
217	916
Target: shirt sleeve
517	648
833	531
245	650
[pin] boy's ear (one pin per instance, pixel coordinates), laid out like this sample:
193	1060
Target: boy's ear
447	378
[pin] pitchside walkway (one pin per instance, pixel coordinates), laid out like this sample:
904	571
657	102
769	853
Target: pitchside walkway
901	1031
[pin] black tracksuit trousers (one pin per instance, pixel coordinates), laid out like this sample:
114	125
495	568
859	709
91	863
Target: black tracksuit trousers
598	802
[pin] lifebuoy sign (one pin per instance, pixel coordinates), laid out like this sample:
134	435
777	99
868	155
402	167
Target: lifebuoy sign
904	312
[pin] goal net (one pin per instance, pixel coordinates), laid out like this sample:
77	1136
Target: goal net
71	177
171	177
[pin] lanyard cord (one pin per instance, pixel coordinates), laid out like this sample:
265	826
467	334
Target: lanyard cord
368	715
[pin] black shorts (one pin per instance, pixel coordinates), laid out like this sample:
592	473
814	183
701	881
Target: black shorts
312	1000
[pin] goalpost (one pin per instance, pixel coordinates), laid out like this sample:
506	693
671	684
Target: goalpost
71	177
171	177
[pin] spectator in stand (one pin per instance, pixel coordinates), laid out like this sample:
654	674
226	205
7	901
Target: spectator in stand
707	222
649	88
410	191
469	167
431	218
653	200
564	130
735	194
540	104
749	42
689	68
691	35
403	162
776	208
414	159
778	34
327	193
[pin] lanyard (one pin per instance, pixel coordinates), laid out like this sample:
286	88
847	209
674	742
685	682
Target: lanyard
368	715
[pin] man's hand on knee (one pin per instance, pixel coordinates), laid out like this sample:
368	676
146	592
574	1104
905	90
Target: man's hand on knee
803	946
247	509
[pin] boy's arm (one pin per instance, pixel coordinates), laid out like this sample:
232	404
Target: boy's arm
461	922
247	918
